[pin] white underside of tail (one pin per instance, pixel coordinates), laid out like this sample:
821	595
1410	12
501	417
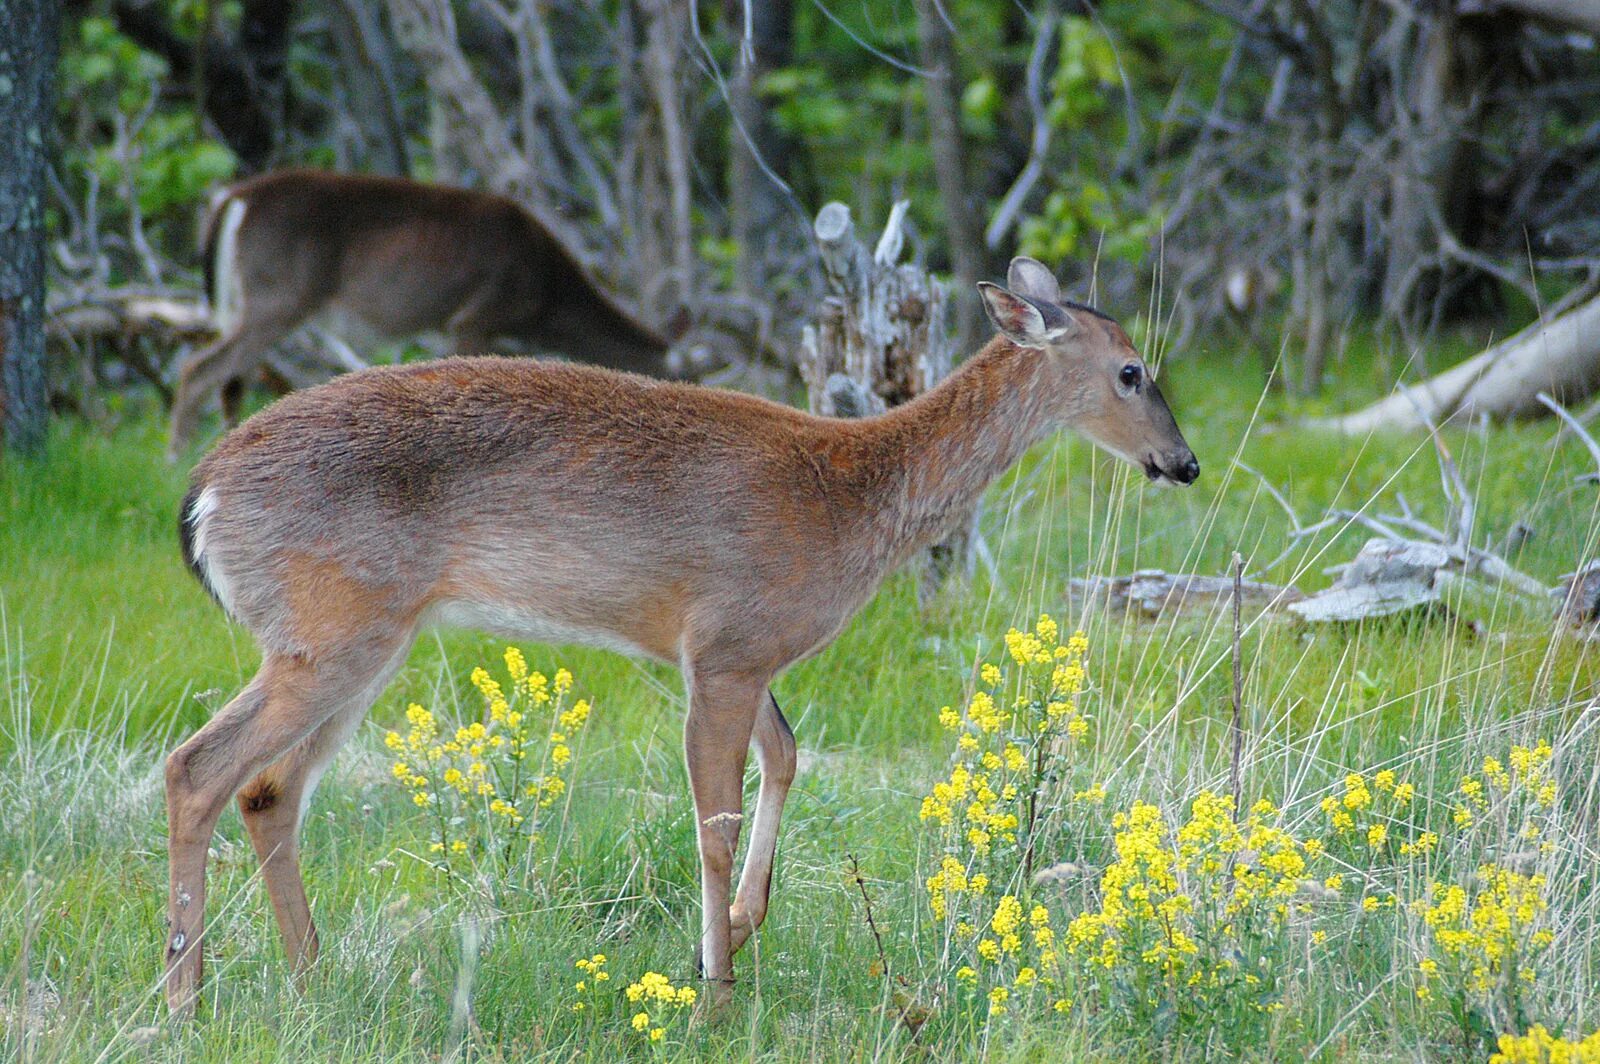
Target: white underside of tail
230	293
200	514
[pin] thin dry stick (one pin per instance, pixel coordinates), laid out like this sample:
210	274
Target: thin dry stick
1238	687
866	905
1571	425
902	1005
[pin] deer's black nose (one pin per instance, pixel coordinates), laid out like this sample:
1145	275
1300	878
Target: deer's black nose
1189	471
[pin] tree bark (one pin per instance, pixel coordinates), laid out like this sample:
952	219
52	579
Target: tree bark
242	83
368	71
27	69
949	164
664	36
757	145
467	117
1560	356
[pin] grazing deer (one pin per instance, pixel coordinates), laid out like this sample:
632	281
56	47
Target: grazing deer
719	532
401	257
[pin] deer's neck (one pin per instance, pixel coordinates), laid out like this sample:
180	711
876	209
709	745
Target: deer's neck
589	322
950	444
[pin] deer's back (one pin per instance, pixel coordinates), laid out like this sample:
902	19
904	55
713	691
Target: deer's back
402	255
595	494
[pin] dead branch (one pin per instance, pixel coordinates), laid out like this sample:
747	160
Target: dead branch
1005	216
1238	687
127	313
1575	427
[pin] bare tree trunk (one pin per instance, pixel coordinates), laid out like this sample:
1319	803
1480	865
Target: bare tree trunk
449	162
757	146
664	36
880	340
242	82
1415	106
949	164
1561	356
1429	199
1302	264
427	29
367	66
27	68
562	109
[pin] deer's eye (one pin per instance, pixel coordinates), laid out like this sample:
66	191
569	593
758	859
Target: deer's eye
1131	375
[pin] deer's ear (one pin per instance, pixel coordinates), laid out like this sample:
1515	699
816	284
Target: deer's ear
1033	280
1021	320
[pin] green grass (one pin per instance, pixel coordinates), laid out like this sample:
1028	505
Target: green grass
111	653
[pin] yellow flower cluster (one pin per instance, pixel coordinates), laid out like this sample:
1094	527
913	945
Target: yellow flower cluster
1199	917
952	879
1485	938
1490	936
985	814
1266	863
594	973
1196	918
1371	816
655	991
1011	739
485	779
1042	646
1526	791
982	800
1539	1046
1141	905
1017	954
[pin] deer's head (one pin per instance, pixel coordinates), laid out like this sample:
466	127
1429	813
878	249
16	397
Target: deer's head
1101	386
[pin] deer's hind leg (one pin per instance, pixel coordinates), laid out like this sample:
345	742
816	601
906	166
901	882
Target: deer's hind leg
290	707
222	368
273	806
775	754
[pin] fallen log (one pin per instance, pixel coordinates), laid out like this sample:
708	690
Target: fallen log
1387	577
1560	356
119	315
1153	592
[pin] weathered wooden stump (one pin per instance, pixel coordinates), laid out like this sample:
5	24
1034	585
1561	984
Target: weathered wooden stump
880	340
1579	598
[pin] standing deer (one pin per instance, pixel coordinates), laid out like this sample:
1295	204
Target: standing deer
716	531
400	257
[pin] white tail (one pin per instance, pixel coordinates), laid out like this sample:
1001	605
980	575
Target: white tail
722	533
229	298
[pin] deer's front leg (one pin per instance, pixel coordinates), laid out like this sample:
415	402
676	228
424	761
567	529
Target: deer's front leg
722	712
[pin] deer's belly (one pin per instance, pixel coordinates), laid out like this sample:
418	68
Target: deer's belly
511	622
